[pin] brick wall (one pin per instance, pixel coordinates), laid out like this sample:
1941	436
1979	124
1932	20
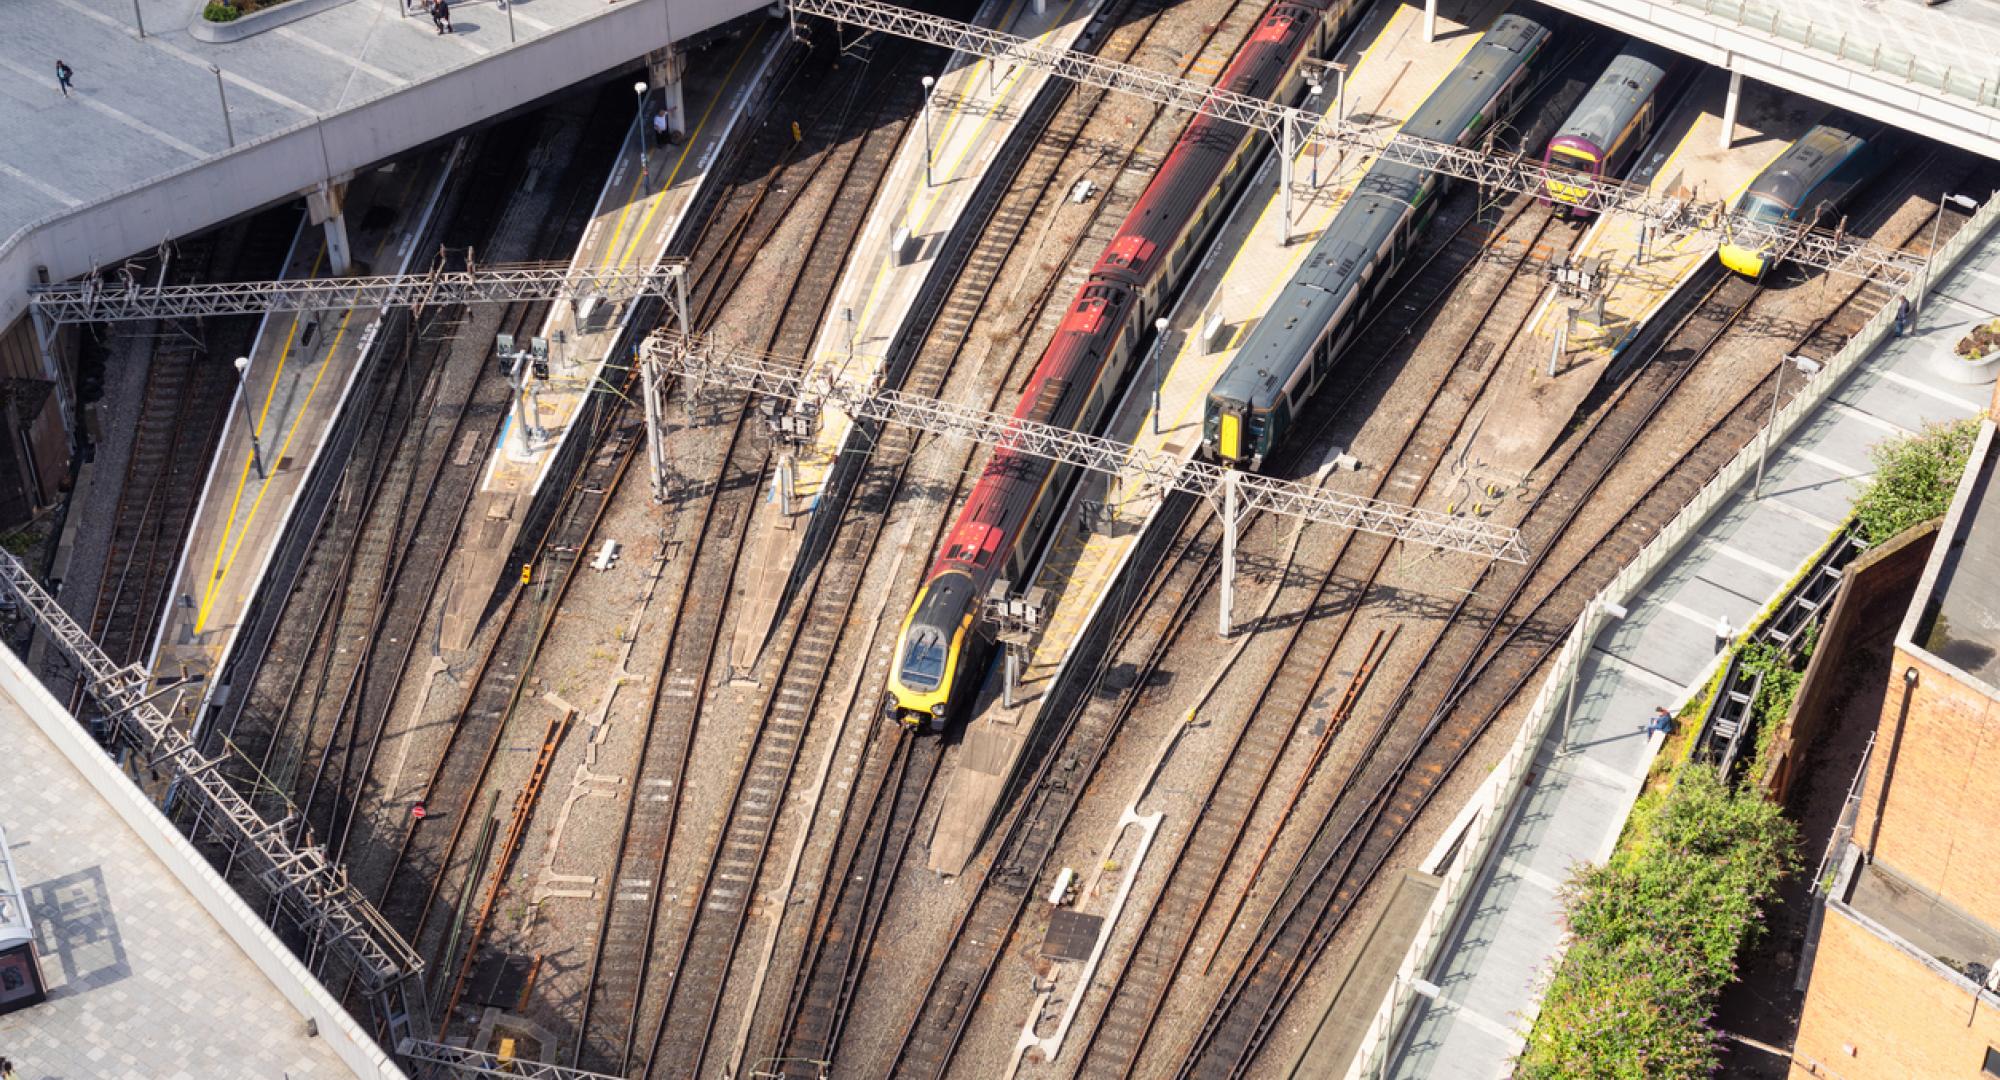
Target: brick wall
1933	791
1874	593
1899	1016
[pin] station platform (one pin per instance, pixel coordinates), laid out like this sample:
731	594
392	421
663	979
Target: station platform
638	213
976	106
1496	959
154	968
314	92
302	367
1531	409
1392	70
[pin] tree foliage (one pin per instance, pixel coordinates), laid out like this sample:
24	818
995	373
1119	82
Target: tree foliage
1654	936
1914	478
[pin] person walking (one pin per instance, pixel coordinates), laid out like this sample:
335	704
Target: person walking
1902	315
63	75
444	14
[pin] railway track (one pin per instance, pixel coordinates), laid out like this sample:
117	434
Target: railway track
1502	649
1312	639
181	413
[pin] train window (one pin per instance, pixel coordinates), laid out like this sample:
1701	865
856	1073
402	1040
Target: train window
923	661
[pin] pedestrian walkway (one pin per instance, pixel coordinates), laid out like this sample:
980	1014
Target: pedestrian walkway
167	134
155	969
976	107
1661	652
302	366
1392	70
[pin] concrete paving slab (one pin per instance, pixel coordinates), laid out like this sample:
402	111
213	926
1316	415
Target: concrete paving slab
143	981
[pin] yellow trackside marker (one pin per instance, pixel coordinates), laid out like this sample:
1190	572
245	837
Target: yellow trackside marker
797	135
527	572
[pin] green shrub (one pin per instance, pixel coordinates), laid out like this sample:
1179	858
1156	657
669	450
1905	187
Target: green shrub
1914	478
217	11
1654	935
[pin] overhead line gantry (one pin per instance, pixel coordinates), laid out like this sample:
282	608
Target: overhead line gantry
312	887
96	300
1236	493
1293	127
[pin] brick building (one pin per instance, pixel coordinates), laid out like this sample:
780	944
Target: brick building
1903	965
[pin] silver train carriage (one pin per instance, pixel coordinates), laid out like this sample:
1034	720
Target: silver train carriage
1256	400
1608	126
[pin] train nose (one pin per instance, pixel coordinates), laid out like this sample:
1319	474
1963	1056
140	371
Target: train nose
1746	261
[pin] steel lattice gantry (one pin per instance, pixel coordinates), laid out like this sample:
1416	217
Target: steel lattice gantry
314	888
441	1061
1238	492
1293	127
97	300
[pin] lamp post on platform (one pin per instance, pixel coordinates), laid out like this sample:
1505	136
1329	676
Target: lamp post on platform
249	421
1159	366
639	133
928	84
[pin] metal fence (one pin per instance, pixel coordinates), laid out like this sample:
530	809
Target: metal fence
1498	799
1821	29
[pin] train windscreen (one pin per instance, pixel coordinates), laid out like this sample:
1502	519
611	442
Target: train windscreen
923	661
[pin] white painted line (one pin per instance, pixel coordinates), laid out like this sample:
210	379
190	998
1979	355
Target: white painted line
1598	771
1747	559
57	194
1827	463
1484	1023
1869	418
187	57
1651	678
324	49
89	101
1928	390
1690	614
1781	506
1531	875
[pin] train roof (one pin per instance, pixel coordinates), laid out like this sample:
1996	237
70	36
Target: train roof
1462	98
1811	159
1628	81
1335	268
1343	254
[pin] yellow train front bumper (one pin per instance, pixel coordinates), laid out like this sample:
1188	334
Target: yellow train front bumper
1746	261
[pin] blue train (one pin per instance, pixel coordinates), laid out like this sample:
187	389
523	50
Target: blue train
1255	402
1809	182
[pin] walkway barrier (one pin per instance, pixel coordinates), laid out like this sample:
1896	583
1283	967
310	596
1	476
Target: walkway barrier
1502	795
1821	32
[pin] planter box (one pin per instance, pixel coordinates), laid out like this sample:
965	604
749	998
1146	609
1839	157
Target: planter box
1980	372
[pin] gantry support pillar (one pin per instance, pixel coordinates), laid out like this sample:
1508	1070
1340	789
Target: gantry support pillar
1430	21
1728	137
668	68
324	204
